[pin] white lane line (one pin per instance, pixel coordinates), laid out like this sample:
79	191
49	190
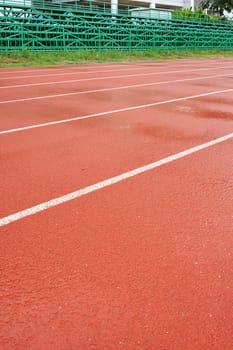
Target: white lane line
114	88
144	66
95	115
56	68
109	182
181	63
80	72
76	72
109	77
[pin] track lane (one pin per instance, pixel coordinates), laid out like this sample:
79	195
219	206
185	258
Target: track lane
143	263
65	157
68	107
95	73
145	71
146	262
85	66
8	95
59	68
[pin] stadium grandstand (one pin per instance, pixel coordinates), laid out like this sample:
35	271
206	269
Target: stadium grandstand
111	24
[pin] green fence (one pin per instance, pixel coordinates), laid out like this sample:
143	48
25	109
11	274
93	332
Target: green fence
54	25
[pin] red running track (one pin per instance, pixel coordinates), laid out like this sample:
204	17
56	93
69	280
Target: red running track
145	263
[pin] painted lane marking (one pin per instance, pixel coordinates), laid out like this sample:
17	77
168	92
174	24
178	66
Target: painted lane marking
95	115
108	182
190	62
74	73
56	68
126	67
108	77
113	88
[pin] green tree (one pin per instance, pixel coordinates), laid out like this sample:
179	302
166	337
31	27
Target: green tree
217	5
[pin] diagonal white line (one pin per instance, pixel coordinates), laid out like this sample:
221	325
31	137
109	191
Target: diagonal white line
74	67
96	115
76	71
108	77
113	88
152	64
108	182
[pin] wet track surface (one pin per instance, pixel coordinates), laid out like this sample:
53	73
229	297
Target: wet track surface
145	263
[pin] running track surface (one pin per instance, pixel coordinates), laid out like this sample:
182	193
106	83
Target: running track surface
103	245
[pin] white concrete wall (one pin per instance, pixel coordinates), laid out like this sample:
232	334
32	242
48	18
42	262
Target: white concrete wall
178	3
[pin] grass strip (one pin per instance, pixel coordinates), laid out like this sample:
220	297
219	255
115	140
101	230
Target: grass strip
27	58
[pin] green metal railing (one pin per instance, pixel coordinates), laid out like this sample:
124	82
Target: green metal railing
45	25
